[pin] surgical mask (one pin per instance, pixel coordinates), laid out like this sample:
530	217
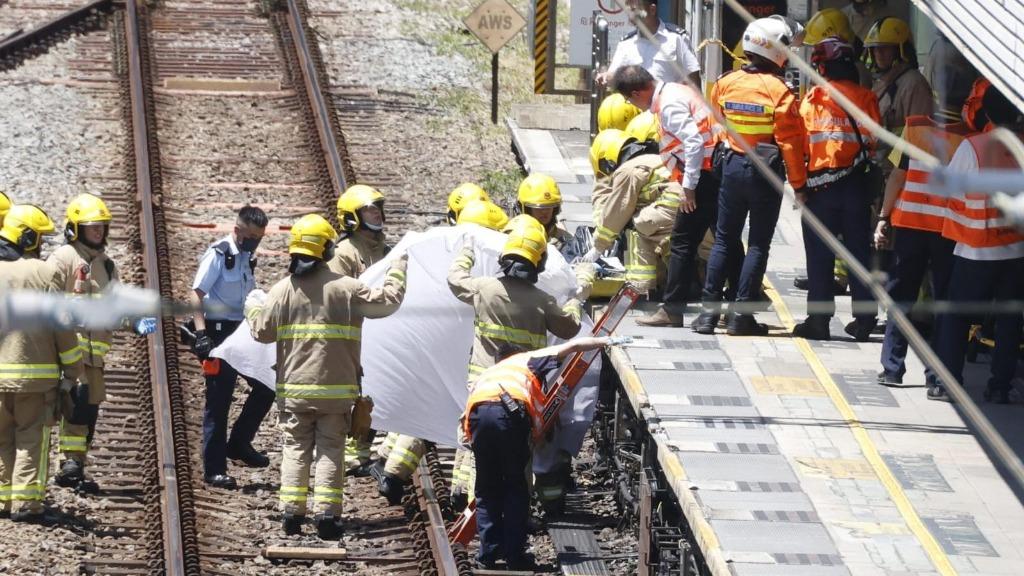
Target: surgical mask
249	245
373	227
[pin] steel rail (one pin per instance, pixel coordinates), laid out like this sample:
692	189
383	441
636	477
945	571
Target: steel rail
441	548
174	548
22	41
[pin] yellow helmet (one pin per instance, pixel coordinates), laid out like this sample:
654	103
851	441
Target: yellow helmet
462	195
538	191
484	213
889	31
828	22
84	209
312	235
644	127
354	199
5	206
526	239
604	152
615	112
25	225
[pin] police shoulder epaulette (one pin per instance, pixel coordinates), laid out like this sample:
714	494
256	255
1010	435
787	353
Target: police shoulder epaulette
224	249
629	35
674	28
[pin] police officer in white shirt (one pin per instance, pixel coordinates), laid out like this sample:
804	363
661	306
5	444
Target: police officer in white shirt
668	57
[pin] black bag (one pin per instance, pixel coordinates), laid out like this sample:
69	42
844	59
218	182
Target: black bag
874	180
718	160
772	156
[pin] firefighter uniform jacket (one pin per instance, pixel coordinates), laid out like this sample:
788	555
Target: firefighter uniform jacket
642	187
509	311
32	362
68	259
316	320
357	252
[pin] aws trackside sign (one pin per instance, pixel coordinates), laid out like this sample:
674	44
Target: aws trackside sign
495	22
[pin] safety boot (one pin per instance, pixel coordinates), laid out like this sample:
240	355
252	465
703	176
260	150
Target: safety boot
706	323
813	328
328	526
745	325
29	516
459	501
392	488
860	329
71	473
887	378
292	523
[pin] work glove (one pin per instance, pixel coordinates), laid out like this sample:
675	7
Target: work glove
591	256
203	345
144	326
401	263
254	302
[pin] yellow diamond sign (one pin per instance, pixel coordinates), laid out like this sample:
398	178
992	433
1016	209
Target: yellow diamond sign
495	22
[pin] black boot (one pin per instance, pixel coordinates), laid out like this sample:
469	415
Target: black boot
459	501
328	526
813	328
248	455
745	325
292	523
71	473
861	329
392	488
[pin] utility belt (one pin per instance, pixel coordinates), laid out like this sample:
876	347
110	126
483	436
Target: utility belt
823	178
768	152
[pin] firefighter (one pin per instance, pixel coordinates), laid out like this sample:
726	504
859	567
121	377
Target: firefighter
5	206
84	269
315	316
764	113
361	216
833	22
988	259
839	150
641	193
225	277
912	214
484	213
32	364
460	196
503	418
538	196
615	112
509	309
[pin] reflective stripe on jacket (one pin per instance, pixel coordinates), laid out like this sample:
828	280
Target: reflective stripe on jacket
673	132
762	110
514	377
68	259
832	143
634	185
917	206
981	231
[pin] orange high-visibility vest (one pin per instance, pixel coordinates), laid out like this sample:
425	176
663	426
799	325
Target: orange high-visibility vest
710	130
917	205
513	376
972	221
973	103
761	109
832	144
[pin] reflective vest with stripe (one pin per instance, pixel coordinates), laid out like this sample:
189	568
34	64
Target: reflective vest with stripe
513	376
833	147
917	205
671	148
972	221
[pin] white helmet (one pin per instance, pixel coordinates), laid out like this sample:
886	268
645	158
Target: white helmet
770	38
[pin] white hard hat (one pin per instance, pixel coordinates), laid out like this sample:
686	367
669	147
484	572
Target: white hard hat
770	38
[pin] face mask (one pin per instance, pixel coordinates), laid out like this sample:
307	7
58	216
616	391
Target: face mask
373	227
249	245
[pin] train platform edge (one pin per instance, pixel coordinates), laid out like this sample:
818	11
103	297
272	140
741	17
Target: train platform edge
784	454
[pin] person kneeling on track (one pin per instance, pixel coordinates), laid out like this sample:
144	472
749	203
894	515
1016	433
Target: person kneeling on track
315	317
839	151
503	418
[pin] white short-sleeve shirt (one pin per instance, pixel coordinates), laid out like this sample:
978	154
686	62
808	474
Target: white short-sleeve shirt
668	58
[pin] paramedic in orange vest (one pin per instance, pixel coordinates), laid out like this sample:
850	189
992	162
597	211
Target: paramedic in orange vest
838	150
503	419
912	214
761	110
687	134
988	259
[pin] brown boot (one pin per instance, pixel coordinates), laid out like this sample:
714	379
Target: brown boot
661	318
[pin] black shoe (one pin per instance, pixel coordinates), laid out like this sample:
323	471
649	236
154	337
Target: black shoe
800	283
860	330
484	564
937	392
360	470
459	502
996	395
392	488
221	481
525	563
813	329
28	517
838	288
329	526
249	456
71	473
745	325
706	323
87	487
885	377
292	524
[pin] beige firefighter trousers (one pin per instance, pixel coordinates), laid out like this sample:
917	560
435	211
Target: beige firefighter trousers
313	440
652	227
404	456
74	443
25	420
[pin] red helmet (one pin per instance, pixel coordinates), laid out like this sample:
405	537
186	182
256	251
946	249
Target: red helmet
831	49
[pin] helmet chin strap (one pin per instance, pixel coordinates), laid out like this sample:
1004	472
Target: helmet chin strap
373	227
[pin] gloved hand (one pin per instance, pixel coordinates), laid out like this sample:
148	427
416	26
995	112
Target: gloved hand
591	256
203	345
401	263
254	302
619	340
144	326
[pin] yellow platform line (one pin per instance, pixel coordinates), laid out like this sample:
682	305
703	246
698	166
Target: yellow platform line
867	445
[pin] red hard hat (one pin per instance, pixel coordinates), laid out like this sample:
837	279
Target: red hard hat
830	49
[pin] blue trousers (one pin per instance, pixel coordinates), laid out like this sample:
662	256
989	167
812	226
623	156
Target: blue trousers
687	235
843	208
915	253
982	281
501	445
743	191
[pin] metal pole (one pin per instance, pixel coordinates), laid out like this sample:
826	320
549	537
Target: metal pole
494	88
599	55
